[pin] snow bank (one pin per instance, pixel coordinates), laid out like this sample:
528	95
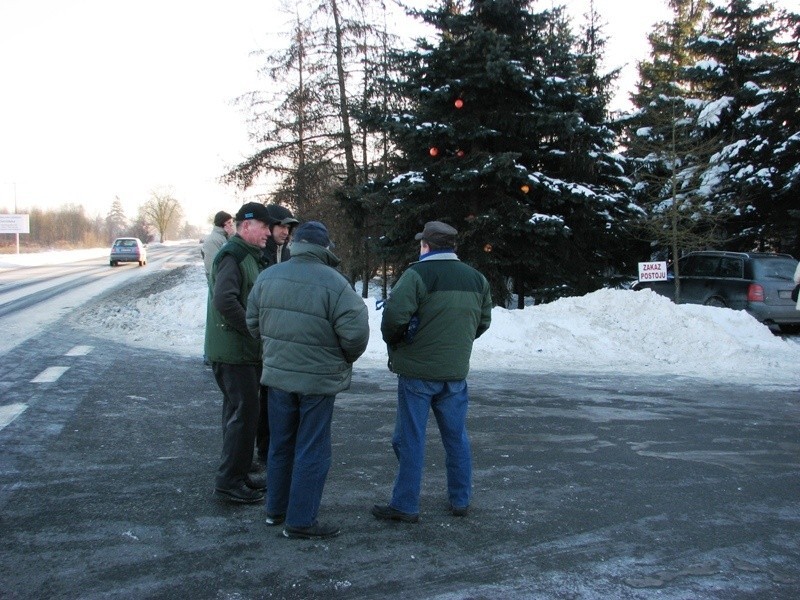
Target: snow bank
616	331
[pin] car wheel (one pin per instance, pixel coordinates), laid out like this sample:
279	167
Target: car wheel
141	263
113	263
715	301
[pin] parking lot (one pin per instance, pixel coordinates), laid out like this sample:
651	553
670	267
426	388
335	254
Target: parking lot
585	487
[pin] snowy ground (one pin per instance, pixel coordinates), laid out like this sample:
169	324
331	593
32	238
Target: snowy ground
606	331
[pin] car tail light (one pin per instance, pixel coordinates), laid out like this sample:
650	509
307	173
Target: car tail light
755	293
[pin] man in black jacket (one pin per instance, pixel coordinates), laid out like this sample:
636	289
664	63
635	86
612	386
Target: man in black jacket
276	251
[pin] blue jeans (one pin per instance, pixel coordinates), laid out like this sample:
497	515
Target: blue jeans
299	454
415	399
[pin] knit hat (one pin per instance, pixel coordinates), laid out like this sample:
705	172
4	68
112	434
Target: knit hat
221	218
313	232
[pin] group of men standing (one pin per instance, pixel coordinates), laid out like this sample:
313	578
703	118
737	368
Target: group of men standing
282	336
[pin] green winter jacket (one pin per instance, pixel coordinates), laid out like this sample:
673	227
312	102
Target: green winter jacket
233	274
312	324
453	304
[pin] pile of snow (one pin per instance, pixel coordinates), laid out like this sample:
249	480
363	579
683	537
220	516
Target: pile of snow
615	331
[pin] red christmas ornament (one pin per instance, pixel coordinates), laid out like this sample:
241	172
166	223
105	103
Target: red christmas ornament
459	103
525	189
460	153
487	248
433	151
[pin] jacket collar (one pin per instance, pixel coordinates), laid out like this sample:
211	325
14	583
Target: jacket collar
439	255
255	251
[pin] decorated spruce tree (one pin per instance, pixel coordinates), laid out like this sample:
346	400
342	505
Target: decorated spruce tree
500	133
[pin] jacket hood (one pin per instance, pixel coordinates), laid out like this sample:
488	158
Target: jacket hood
314	252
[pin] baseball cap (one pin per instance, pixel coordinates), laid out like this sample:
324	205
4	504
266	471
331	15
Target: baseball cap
281	215
254	210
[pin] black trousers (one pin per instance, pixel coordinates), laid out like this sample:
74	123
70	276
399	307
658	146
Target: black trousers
241	390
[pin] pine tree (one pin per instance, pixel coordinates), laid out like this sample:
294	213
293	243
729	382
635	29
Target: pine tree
306	136
496	137
667	147
749	76
116	221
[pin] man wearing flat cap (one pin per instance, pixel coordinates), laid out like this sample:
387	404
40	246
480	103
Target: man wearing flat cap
235	356
435	311
313	327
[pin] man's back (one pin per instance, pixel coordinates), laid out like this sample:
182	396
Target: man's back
452	304
211	245
312	324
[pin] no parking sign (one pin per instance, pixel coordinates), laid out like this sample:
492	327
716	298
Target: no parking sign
653	271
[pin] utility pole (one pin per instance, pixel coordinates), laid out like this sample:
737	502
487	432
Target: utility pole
15	212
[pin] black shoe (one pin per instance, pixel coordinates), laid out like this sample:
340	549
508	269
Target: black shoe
314	532
240	494
386	512
255	482
258	467
459	512
275	519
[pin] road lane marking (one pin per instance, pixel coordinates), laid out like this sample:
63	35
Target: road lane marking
80	351
49	375
10	412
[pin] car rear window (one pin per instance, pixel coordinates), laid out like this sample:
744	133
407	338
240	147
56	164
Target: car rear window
777	267
125	243
731	267
700	266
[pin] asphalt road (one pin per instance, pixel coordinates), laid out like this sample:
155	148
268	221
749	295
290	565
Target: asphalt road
585	487
32	298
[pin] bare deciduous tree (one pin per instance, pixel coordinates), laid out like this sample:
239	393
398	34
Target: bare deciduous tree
163	211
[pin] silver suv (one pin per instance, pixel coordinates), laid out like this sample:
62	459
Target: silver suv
759	283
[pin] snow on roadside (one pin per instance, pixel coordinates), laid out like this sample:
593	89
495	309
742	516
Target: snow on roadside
617	331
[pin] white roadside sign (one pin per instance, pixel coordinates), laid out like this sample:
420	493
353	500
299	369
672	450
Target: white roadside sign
15	224
653	271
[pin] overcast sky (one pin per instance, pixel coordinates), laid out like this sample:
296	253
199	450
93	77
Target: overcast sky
106	98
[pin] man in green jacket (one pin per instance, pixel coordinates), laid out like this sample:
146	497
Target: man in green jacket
313	327
235	356
435	311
